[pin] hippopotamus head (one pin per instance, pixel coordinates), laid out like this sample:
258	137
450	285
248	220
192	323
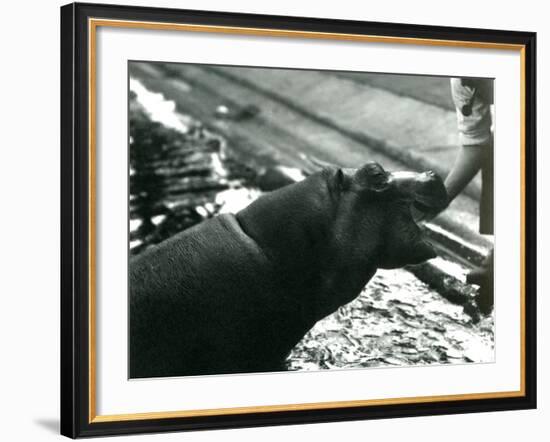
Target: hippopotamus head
329	233
370	200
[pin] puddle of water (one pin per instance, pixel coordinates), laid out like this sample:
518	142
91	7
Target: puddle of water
159	109
176	169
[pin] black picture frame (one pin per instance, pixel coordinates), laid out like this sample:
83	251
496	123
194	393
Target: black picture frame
75	220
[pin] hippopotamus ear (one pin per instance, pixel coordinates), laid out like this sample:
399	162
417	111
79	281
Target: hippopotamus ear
372	177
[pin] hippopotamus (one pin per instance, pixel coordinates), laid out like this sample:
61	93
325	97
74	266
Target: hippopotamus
235	293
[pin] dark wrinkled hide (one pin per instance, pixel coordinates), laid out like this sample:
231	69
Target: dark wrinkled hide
236	293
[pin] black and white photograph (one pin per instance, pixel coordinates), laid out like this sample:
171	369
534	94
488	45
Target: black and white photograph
305	220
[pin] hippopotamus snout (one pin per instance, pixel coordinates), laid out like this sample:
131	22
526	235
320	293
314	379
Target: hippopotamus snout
425	190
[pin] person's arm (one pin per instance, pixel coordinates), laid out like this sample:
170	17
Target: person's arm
468	162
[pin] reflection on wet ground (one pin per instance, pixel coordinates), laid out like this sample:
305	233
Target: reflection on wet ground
175	176
182	173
